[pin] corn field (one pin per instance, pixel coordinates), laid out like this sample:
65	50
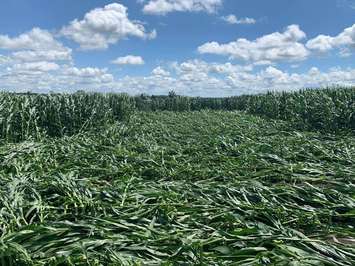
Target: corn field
30	115
315	109
93	179
24	116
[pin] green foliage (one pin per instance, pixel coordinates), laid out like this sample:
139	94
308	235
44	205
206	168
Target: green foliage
314	109
189	188
177	188
24	116
327	109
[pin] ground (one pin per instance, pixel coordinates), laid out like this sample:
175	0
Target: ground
206	188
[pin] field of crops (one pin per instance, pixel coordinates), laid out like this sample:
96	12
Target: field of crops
329	109
24	116
33	116
179	188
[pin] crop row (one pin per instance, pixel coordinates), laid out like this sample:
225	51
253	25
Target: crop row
328	109
23	116
55	115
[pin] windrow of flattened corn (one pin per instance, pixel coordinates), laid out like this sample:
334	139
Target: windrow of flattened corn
190	188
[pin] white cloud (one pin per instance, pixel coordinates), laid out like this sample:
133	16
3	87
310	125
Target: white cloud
266	49
41	63
36	39
199	66
128	60
324	43
228	68
83	78
36	45
314	71
50	77
104	26
41	66
232	19
192	77
34	56
159	71
50	55
84	72
162	7
272	78
345	52
199	78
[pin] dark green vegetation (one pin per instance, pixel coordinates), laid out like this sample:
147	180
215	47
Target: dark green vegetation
316	109
188	188
24	116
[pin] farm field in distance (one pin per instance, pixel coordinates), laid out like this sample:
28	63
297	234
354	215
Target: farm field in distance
205	187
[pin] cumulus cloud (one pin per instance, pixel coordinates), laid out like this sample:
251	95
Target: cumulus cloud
84	72
35	45
159	71
33	55
324	43
285	46
198	78
128	60
104	26
47	76
200	66
90	76
192	77
162	7
232	19
50	55
41	66
36	39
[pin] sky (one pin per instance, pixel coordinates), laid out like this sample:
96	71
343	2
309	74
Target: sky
194	47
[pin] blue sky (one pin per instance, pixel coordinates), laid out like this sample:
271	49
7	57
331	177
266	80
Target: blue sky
196	47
